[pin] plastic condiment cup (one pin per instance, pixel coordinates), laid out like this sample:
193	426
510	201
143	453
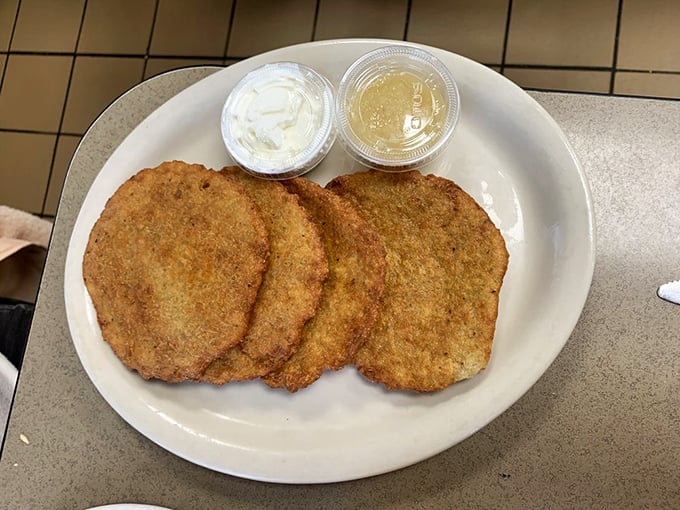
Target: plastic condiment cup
278	121
396	108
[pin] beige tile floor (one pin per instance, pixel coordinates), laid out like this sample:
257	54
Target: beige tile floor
63	61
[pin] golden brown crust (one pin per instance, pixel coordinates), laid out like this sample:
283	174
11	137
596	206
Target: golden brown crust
445	267
351	294
291	288
173	266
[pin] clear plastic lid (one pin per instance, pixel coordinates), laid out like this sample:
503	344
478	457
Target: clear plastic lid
278	121
396	108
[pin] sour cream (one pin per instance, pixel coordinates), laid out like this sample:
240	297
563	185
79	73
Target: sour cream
278	120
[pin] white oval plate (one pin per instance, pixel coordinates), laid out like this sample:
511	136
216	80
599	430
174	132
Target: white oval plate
507	152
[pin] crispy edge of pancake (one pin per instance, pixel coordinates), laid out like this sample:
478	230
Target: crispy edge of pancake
162	254
291	288
351	294
430	332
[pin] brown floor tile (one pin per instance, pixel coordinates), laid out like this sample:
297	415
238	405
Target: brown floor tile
562	32
357	18
96	82
123	26
647	84
8	12
261	25
48	26
33	92
156	66
649	38
26	159
66	145
472	28
559	79
197	28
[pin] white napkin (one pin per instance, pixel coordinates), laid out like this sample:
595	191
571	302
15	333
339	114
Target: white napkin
23	239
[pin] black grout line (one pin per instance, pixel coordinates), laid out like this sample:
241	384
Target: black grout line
231	28
9	45
71	54
604	94
316	19
148	44
585	68
35	132
63	109
615	55
117	55
505	37
408	19
191	57
645	71
549	67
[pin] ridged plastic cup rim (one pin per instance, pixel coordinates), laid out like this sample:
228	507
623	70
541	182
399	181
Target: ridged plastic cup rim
307	159
374	62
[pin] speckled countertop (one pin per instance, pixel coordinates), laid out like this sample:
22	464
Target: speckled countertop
601	428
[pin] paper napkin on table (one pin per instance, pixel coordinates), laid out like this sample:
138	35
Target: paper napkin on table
23	240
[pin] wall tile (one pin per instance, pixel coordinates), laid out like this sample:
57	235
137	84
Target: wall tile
647	84
33	92
8	12
96	82
123	26
66	145
385	19
473	28
198	28
562	32
262	25
559	79
650	35
48	25
26	159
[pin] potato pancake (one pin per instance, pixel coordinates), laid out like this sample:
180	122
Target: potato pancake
173	266
351	294
445	266
291	288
